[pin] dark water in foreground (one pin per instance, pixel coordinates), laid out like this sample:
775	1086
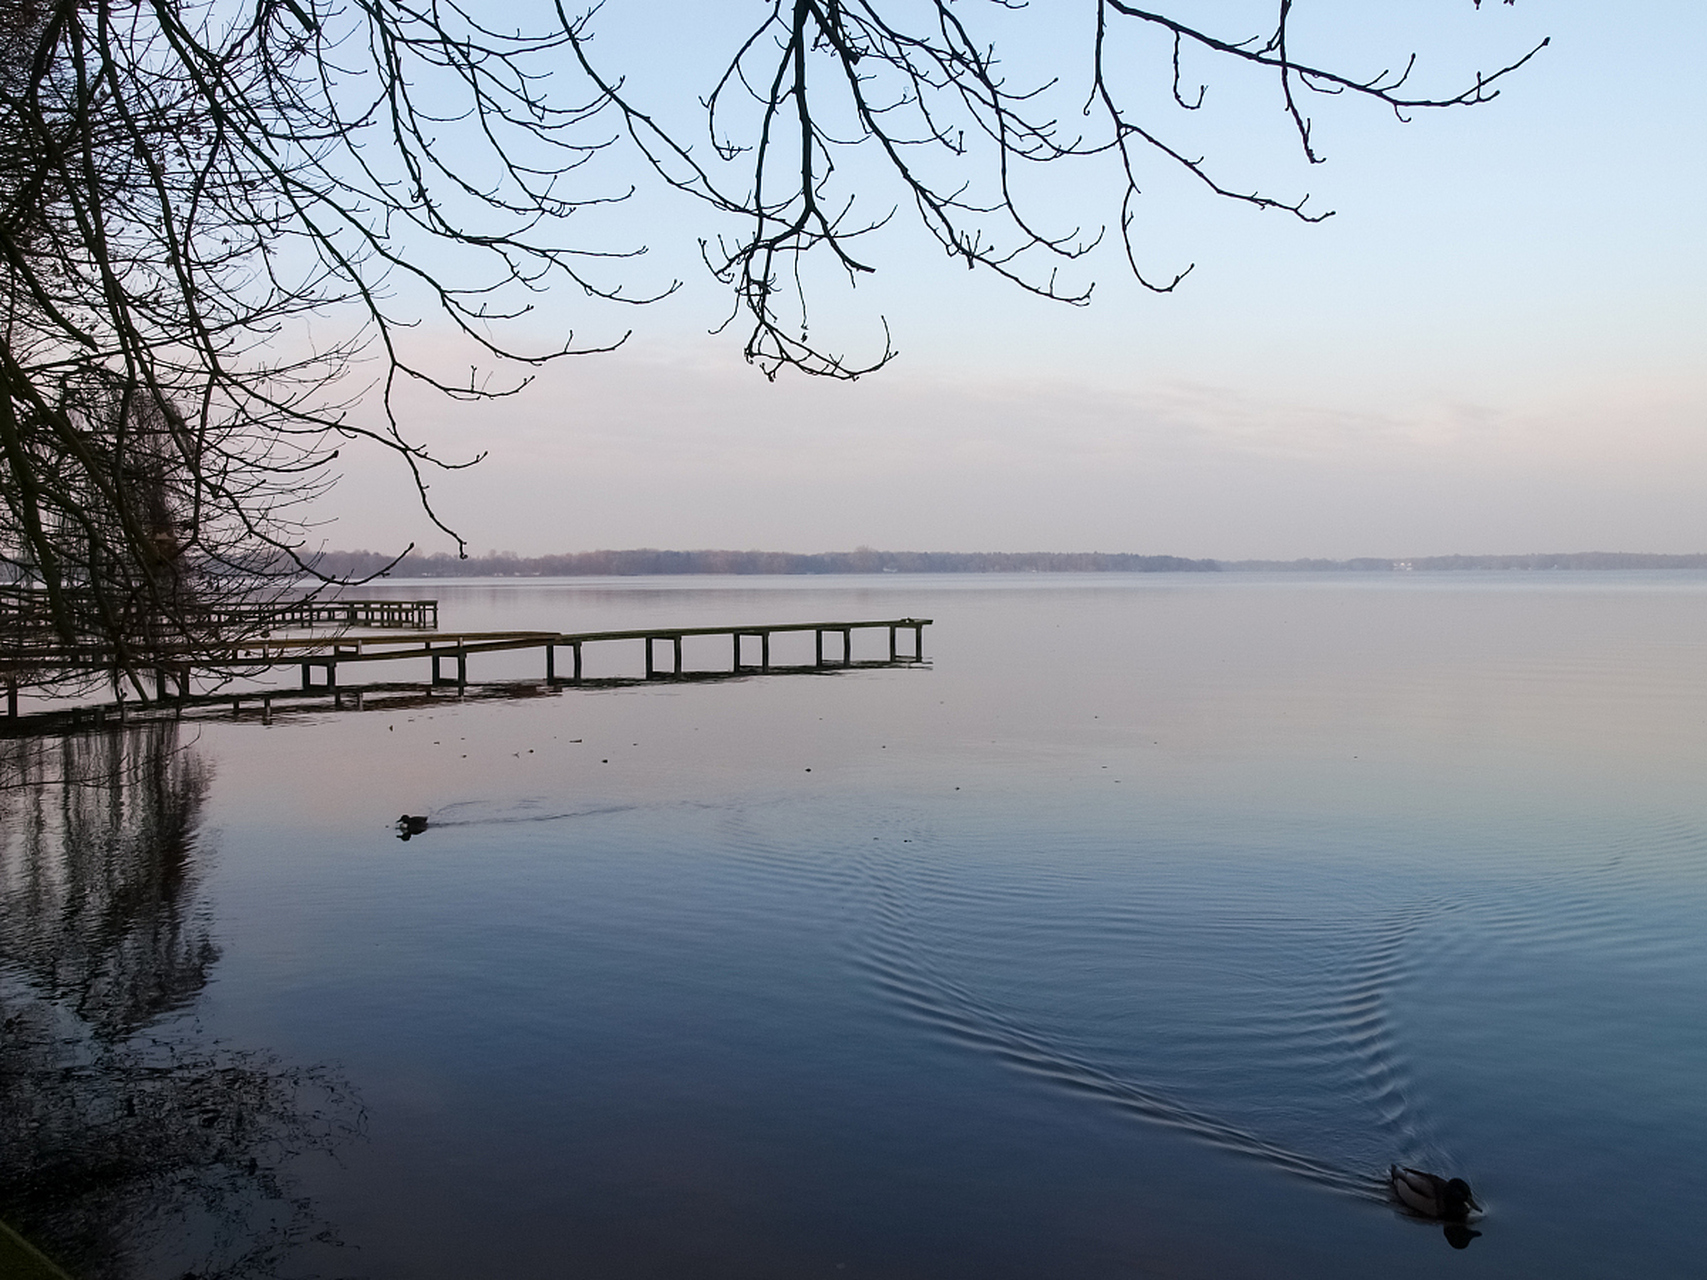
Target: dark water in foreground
1133	936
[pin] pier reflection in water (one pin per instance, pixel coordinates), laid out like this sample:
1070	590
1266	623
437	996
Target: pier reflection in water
129	1143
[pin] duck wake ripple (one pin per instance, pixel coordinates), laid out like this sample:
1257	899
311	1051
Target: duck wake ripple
1297	1059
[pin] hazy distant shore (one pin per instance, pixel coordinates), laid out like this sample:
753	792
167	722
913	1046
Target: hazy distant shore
645	561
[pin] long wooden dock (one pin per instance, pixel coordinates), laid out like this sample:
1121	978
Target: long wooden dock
322	655
456	647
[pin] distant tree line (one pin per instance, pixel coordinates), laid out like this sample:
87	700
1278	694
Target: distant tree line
357	564
647	560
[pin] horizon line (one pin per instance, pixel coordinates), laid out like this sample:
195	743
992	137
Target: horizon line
652	561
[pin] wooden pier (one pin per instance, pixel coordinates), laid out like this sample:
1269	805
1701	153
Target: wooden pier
448	652
455	648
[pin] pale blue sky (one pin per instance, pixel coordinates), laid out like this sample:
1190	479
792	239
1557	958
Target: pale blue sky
1499	343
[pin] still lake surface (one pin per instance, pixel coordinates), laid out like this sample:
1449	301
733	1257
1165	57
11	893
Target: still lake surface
1132	935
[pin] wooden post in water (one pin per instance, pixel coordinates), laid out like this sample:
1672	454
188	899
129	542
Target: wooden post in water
847	646
892	631
678	641
764	651
648	643
918	642
735	662
461	657
577	662
818	647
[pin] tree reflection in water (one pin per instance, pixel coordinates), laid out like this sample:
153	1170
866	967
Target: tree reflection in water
130	1146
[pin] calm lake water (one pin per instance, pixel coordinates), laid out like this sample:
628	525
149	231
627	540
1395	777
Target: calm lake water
1132	935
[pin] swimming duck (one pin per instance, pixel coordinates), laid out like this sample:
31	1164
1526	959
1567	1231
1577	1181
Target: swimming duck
1431	1196
410	825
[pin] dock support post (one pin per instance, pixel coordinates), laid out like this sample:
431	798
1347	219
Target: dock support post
550	664
435	678
461	669
678	641
305	675
892	631
577	662
847	646
648	657
12	699
918	643
818	647
764	651
735	661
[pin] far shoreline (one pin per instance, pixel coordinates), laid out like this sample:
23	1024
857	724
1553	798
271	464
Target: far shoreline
650	562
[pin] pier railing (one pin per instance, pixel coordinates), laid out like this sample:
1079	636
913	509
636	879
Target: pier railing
24	613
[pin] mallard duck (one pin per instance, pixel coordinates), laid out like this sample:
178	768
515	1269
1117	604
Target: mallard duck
410	825
1431	1196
